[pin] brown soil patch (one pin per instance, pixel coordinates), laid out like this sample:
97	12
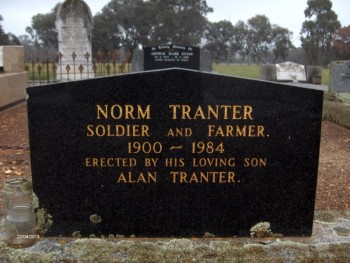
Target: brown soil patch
333	189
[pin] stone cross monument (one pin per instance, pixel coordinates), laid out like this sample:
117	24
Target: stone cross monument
74	26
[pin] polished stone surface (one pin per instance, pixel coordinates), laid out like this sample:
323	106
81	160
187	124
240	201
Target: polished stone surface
260	154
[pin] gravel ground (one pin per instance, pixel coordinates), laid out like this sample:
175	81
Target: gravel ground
333	189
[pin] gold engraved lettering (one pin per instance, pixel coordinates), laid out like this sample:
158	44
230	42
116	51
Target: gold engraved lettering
127	112
117	130
255	162
174	162
209	112
213	162
184	132
110	162
236	131
203	177
131	178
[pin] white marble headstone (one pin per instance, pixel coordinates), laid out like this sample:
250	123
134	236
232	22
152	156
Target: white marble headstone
74	26
290	71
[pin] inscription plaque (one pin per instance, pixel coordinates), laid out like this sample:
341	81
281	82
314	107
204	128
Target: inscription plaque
170	56
175	153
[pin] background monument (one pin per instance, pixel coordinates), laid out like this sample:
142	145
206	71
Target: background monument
13	78
339	79
74	26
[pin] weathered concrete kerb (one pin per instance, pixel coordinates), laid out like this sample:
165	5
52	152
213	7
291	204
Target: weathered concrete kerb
330	242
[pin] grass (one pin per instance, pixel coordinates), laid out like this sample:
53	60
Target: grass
33	73
101	70
325	77
253	71
245	71
240	70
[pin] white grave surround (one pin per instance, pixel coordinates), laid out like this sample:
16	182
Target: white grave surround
290	71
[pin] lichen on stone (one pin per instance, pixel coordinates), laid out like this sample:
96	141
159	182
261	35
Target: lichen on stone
35	201
76	234
43	221
208	235
262	229
96	219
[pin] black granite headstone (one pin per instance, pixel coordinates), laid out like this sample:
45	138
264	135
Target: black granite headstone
170	56
175	153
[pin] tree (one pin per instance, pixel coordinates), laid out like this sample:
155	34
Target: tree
43	30
281	42
105	34
259	37
9	38
317	31
219	40
3	36
119	20
180	21
137	22
341	43
238	41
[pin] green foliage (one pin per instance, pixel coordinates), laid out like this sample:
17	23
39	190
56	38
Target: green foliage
129	24
337	112
341	43
132	23
325	77
43	74
179	21
256	39
7	39
281	39
219	40
245	71
259	37
3	37
316	32
43	30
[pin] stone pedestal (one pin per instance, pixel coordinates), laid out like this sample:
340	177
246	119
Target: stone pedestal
12	88
13	59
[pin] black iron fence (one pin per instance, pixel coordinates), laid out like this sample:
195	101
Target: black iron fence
48	68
